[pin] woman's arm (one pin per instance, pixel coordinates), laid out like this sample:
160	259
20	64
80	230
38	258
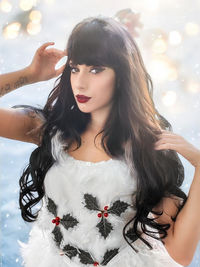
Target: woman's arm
41	68
184	234
21	124
24	124
14	80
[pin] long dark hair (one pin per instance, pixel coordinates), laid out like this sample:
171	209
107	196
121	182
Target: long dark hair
130	130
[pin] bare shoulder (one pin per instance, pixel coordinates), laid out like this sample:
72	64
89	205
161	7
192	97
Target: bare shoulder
21	124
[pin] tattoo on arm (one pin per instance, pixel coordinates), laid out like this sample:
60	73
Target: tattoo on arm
5	89
29	112
20	82
8	87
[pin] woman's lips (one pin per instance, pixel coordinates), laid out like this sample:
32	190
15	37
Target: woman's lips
83	99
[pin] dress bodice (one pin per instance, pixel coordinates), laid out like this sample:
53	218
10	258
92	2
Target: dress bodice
92	201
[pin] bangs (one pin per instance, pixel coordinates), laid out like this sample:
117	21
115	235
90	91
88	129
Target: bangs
93	44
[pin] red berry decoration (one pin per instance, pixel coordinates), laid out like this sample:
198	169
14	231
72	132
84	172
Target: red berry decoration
106	207
96	263
99	215
56	220
106	214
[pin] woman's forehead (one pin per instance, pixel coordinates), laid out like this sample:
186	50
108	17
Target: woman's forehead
71	63
94	64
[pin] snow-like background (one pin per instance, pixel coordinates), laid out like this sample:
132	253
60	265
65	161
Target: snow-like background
169	42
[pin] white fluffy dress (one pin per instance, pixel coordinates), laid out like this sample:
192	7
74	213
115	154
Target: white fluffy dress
85	208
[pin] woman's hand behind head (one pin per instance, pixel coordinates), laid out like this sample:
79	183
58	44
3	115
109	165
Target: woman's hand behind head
42	67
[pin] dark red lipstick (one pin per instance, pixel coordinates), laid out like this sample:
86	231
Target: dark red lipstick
82	98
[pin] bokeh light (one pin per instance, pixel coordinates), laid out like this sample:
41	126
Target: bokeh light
162	69
169	98
193	87
33	28
192	28
12	30
159	46
26	5
5	6
175	38
35	16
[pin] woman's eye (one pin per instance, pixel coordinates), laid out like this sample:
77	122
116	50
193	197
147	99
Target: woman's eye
97	69
72	68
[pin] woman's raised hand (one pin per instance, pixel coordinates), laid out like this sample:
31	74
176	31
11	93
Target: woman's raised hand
170	140
44	61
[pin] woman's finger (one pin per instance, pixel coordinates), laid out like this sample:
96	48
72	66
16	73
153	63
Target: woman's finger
56	52
168	136
43	47
168	146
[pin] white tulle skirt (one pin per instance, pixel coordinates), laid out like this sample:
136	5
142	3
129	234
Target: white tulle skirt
41	251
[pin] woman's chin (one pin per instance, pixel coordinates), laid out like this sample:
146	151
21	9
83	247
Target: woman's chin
84	108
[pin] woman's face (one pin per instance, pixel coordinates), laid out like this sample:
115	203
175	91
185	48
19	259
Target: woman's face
95	82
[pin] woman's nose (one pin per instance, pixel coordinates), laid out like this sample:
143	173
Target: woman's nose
81	80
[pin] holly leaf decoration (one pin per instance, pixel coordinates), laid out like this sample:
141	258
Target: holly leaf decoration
109	255
85	257
91	202
131	235
52	207
70	251
118	207
68	221
57	235
104	227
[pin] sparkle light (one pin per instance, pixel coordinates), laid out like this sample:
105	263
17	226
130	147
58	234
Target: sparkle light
175	38
33	28
192	28
159	46
35	16
161	70
169	98
12	30
193	87
5	6
26	4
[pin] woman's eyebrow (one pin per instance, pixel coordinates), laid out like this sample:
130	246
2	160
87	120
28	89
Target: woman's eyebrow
88	66
72	64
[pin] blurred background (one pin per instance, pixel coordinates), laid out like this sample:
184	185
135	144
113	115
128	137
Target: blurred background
168	35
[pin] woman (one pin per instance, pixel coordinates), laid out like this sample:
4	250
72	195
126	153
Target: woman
106	168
